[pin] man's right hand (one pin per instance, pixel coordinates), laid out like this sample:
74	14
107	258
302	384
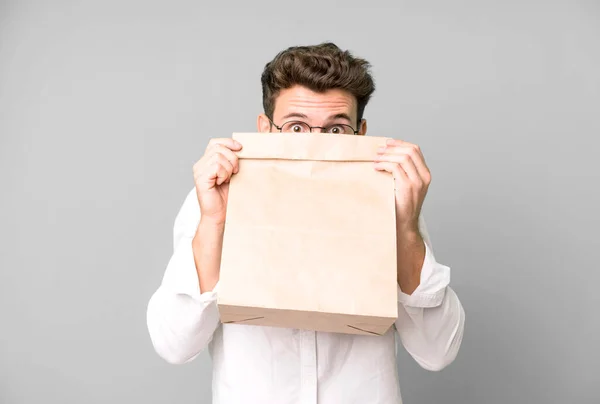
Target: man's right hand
211	177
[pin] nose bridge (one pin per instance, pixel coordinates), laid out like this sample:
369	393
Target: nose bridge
322	129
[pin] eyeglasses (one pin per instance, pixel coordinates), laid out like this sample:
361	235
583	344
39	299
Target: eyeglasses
303	127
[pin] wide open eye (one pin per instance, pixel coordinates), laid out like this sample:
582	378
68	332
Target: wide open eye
296	127
340	129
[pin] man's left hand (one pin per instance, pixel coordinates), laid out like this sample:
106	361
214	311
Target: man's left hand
406	163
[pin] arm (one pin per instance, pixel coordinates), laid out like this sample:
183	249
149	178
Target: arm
411	251
207	245
431	318
181	320
182	314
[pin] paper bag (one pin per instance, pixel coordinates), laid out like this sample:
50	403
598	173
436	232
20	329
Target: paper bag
310	235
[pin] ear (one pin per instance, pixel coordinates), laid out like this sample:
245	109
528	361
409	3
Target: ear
263	125
362	127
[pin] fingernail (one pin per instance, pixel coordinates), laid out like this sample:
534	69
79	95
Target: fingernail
389	141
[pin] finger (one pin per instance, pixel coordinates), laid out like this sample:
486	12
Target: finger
206	165
220	169
414	152
407	164
229	155
227	165
399	175
391	143
398	142
218	174
231	144
212	172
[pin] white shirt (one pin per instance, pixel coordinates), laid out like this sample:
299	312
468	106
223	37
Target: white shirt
263	365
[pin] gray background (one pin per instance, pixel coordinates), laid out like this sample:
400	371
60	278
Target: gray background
106	105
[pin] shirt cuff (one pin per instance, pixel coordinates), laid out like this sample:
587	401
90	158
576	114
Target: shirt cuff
181	276
432	287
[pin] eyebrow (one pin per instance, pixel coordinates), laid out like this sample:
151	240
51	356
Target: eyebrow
294	115
331	118
340	116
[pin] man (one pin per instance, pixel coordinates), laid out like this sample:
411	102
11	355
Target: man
313	88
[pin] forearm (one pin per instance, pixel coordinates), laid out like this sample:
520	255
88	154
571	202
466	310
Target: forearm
411	254
181	320
430	316
207	246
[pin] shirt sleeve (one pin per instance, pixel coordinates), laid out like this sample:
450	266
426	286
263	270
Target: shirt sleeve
181	321
431	320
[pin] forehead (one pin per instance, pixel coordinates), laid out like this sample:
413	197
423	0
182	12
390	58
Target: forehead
316	106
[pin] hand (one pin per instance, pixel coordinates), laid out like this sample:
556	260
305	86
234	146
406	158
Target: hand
211	177
411	177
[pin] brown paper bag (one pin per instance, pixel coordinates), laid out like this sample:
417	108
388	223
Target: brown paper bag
310	236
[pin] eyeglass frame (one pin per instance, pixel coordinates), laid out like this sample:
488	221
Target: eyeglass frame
280	128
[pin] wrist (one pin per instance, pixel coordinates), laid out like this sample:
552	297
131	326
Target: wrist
207	222
409	232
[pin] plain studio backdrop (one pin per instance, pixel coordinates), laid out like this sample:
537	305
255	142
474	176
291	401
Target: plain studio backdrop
106	105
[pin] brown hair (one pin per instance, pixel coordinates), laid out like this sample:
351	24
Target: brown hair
320	68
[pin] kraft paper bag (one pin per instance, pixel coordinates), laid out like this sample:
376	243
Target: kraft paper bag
310	235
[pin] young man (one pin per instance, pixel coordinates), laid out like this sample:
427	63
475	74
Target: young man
314	88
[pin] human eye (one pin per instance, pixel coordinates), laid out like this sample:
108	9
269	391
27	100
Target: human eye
296	127
338	129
